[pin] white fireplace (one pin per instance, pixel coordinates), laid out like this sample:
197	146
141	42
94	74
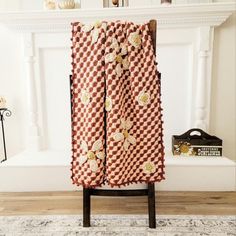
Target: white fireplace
185	38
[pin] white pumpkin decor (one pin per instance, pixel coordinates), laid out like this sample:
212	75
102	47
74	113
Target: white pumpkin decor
66	4
61	4
2	102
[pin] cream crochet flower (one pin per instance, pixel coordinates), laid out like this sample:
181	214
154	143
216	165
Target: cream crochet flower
110	57
148	167
94	28
143	98
119	55
90	155
108	104
124	135
95	35
85	97
87	27
135	39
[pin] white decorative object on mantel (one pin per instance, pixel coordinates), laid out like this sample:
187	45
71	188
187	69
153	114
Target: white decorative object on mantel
50	4
66	4
116	3
61	4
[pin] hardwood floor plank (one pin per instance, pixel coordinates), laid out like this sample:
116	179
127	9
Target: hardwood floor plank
179	203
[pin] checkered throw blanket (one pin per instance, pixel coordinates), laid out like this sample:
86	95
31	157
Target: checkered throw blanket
116	106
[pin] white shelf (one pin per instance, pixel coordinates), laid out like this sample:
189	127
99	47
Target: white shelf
173	16
50	171
199	161
43	158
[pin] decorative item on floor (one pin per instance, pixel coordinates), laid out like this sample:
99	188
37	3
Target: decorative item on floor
115	3
166	2
3	112
196	142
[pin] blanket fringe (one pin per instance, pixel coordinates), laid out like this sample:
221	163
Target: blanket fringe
125	184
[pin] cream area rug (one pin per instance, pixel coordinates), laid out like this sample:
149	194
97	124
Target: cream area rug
116	225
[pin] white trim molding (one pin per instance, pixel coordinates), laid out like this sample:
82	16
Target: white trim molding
173	16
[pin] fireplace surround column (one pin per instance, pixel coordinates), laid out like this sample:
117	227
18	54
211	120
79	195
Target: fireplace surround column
203	83
33	139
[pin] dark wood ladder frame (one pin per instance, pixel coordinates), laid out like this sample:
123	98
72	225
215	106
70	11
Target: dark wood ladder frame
149	191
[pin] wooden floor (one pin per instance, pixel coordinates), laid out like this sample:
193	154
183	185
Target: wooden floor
176	203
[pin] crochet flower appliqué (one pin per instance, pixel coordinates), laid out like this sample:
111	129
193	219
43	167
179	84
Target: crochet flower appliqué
119	55
108	104
135	39
94	28
91	155
85	97
148	167
143	98
124	135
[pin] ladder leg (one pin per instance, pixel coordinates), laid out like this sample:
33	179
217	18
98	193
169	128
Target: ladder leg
151	205
86	207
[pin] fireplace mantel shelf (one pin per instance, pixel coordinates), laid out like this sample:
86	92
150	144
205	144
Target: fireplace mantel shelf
174	16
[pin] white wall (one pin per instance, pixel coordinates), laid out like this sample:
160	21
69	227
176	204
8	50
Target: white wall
12	88
223	109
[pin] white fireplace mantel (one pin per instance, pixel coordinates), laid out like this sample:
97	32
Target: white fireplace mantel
185	40
173	16
196	20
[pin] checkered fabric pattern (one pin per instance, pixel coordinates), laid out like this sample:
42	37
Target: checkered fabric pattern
142	159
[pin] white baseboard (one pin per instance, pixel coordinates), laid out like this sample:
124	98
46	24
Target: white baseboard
50	171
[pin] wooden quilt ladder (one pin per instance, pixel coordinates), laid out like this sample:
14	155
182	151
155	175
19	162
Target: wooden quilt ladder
149	191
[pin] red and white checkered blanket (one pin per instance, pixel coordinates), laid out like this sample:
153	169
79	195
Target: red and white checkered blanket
116	106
